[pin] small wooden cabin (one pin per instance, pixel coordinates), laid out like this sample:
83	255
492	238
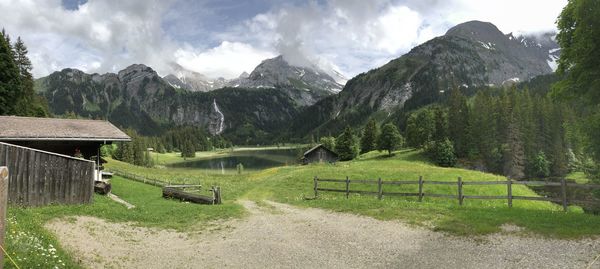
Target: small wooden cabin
319	154
46	158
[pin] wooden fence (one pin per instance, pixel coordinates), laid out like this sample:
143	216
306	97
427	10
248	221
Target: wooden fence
40	178
459	196
3	207
167	186
138	178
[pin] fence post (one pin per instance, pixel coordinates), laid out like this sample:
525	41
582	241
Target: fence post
420	188
3	208
347	187
460	191
379	189
509	194
316	186
563	188
219	197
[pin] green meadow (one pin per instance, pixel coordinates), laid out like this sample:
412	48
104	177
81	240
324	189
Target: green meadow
30	245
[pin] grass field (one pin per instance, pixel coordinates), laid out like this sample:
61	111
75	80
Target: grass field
31	244
175	157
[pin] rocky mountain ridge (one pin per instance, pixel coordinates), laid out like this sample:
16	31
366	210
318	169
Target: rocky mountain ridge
470	55
137	97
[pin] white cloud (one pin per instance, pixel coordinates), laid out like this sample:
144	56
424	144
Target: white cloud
510	15
113	33
228	60
397	29
359	35
352	35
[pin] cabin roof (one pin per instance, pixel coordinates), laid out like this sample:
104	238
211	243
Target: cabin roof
318	146
14	128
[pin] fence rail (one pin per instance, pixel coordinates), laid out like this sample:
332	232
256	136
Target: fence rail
460	196
138	178
41	178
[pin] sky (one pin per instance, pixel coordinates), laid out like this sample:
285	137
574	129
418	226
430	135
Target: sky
223	38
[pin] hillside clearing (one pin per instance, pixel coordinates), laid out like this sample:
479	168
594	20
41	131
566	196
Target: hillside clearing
281	236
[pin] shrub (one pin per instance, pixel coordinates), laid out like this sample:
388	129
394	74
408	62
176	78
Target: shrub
540	165
441	152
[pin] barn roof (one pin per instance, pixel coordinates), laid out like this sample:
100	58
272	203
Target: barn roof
316	147
25	128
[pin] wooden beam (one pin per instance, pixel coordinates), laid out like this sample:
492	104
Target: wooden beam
460	191
316	186
509	192
563	189
379	189
3	208
347	187
420	188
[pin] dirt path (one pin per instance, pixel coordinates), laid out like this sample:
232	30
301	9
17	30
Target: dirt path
282	236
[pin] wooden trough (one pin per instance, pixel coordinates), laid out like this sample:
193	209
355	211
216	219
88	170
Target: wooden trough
183	193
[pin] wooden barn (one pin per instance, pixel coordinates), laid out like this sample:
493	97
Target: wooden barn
48	159
319	154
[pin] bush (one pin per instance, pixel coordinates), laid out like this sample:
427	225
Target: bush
441	152
540	165
328	142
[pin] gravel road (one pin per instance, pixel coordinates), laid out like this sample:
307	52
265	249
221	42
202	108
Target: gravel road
282	236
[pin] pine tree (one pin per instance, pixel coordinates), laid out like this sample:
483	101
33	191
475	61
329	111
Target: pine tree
21	59
558	151
420	128
458	121
27	102
125	152
368	141
390	139
485	132
9	77
188	150
441	124
514	158
138	152
347	146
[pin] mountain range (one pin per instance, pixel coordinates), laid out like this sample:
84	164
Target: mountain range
277	97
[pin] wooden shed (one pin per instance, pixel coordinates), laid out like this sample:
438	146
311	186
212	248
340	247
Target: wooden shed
63	136
319	154
46	157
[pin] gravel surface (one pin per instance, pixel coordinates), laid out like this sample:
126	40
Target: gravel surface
282	236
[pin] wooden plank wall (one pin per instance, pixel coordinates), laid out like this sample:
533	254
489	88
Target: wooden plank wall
40	178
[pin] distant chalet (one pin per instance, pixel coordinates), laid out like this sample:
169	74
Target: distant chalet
319	154
62	136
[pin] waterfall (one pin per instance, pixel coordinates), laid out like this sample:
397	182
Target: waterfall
221	123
